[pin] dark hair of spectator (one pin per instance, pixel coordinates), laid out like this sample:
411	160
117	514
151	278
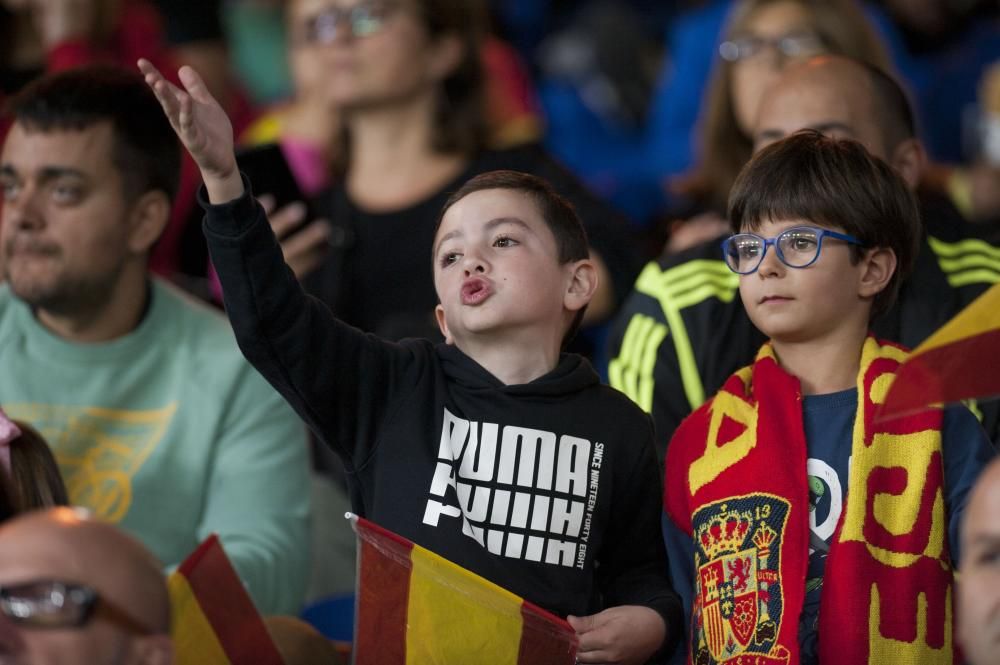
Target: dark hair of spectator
837	184
34	480
146	151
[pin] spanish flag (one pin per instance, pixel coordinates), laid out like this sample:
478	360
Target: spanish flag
214	620
415	607
960	361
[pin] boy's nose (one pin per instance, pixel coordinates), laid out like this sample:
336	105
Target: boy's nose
770	265
474	264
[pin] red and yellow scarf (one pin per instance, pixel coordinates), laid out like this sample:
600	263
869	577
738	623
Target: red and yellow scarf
736	481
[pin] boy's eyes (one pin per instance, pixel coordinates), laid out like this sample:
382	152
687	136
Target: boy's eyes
501	242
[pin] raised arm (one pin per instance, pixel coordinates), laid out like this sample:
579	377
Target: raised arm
202	126
339	380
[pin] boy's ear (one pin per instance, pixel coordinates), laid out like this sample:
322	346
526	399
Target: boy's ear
910	161
149	216
879	265
582	286
442	324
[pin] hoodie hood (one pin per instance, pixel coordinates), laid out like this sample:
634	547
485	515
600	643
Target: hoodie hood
573	374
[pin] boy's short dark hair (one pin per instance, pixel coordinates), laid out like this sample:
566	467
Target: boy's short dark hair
834	183
145	150
558	213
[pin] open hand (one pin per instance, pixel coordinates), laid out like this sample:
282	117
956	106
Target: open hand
625	635
202	126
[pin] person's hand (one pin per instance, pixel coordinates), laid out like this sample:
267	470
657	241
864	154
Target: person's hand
625	635
202	126
304	247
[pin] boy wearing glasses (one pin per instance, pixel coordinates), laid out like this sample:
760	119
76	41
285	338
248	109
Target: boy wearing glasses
798	528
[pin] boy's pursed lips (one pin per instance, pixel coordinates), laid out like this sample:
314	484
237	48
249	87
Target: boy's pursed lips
475	290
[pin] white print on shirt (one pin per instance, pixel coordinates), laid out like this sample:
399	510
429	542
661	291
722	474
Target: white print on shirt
817	468
522	493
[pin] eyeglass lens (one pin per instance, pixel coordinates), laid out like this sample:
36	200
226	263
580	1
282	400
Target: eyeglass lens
46	604
792	45
796	248
362	20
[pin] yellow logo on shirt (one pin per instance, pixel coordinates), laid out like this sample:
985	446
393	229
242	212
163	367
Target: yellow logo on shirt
99	450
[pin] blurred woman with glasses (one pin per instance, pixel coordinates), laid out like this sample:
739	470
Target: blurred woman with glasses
762	38
416	121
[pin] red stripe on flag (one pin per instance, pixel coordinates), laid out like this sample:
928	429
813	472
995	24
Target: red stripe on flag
545	638
226	605
958	370
383	588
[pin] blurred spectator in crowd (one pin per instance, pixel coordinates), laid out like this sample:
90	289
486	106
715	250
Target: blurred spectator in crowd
684	330
761	39
54	35
158	423
942	48
596	76
307	127
979	584
408	80
76	590
975	187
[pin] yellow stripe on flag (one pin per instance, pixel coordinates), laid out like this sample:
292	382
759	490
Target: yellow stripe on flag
489	616
195	642
982	315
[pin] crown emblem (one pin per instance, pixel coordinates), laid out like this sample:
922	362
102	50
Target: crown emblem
724	532
763	537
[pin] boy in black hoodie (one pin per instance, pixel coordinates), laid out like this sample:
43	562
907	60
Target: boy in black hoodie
493	450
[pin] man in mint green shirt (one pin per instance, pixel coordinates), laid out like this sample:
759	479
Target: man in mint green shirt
158	423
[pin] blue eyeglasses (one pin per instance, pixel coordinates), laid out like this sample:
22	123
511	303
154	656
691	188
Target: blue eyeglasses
361	20
797	247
